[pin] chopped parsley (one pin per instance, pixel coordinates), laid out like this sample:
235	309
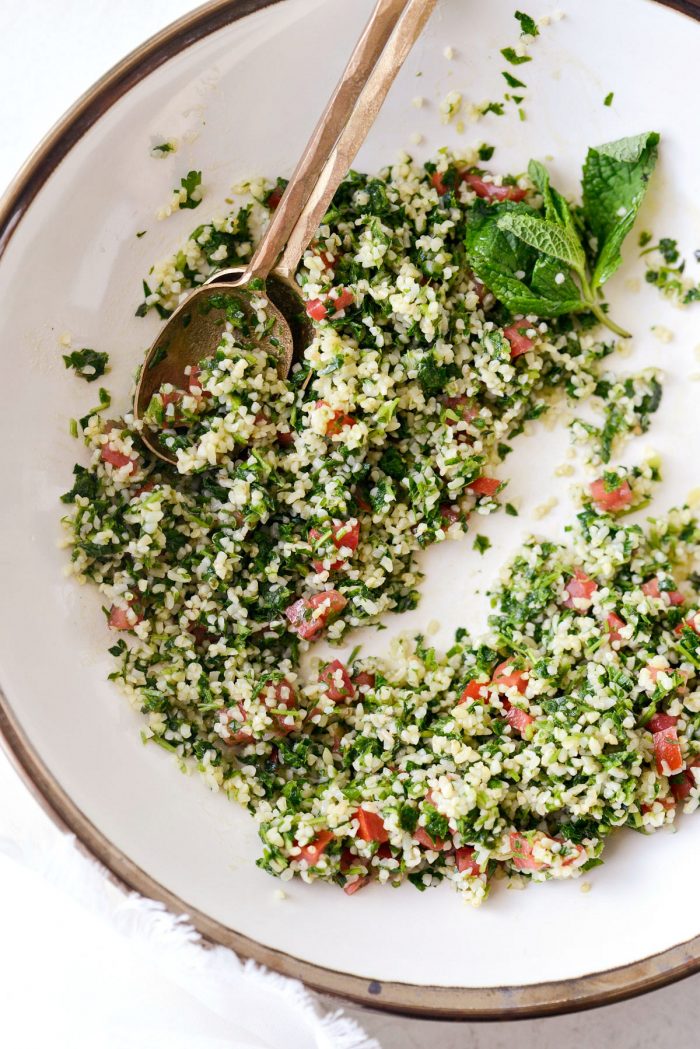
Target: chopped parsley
511	55
608	100
191	184
88	364
528	25
482	543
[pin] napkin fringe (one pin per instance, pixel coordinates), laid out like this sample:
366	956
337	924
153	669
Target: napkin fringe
169	940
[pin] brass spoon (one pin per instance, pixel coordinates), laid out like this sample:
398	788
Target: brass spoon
194	329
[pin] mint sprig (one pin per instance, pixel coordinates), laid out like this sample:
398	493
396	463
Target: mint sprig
547	261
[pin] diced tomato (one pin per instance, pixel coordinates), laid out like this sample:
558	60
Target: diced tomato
450	514
301	613
200	633
362	503
423	838
371	826
240	734
481	290
472	692
365	679
312	852
147	487
316	309
354	886
327	259
465	860
336	677
194	380
117	459
342	299
337	422
274	198
651	589
463	407
281	694
614	625
517	718
667	748
485	486
618	498
489	191
345	536
436	179
660	722
665	803
119	618
521	848
519	342
285	438
684	782
580	589
507	677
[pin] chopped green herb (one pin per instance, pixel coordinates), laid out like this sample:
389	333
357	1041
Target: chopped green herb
527	24
88	364
482	543
513	57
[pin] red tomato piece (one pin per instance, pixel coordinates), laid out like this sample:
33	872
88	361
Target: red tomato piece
200	633
241	734
147	487
194	380
683	782
301	615
450	514
507	677
371	826
119	618
342	299
489	191
316	309
362	503
660	722
651	589
611	501
521	848
285	438
463	407
365	679
354	886
117	459
436	179
281	694
312	852
580	589
667	748
337	422
517	718
423	838
345	536
472	692
327	259
485	486
614	625
465	860
274	198
519	342
336	677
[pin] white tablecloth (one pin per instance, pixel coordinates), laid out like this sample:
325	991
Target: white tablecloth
81	965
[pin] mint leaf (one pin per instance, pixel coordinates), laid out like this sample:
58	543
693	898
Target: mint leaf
615	179
191	184
550	238
555	207
524	280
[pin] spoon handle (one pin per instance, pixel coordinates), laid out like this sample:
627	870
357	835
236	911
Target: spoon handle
360	120
331	123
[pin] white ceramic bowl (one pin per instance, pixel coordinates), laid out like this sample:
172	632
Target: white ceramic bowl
240	84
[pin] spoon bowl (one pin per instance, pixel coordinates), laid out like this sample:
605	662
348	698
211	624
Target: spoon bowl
194	331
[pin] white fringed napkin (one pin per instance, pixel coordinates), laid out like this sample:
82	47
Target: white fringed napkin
86	966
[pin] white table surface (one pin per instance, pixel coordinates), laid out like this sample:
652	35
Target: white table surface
51	51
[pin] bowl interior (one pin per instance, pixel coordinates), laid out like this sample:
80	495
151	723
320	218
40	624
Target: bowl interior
74	265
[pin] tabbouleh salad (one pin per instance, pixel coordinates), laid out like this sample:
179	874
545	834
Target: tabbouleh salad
452	307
